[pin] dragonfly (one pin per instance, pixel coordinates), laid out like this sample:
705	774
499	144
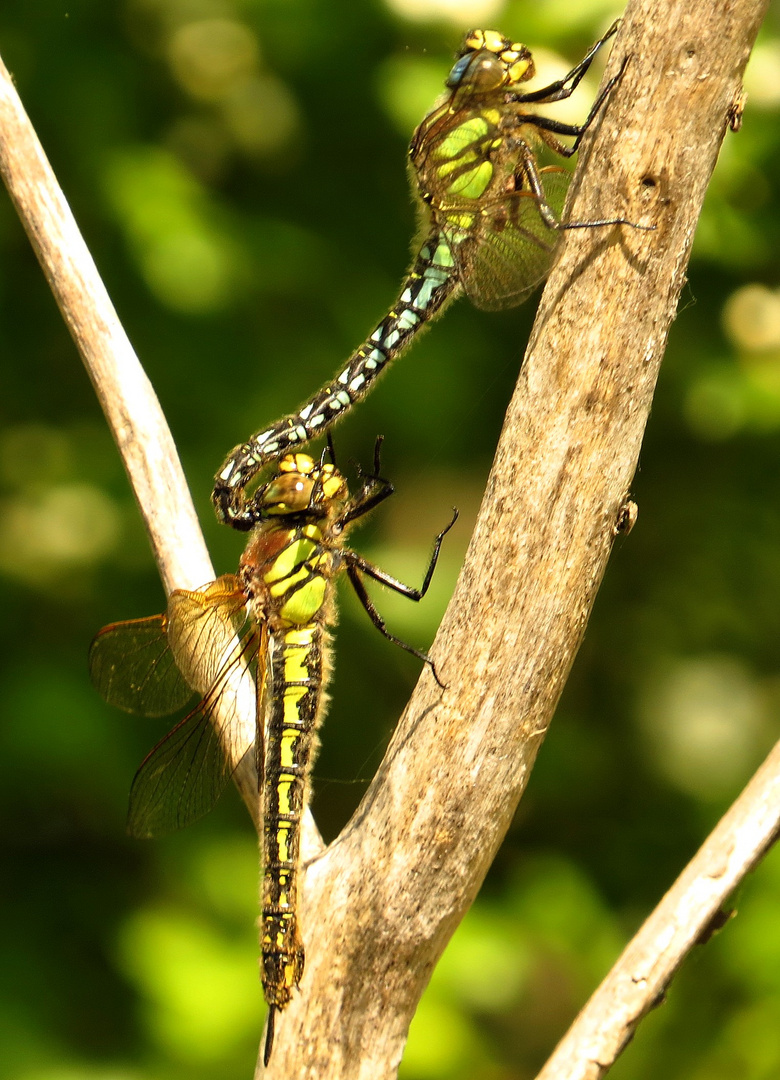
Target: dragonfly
261	633
489	222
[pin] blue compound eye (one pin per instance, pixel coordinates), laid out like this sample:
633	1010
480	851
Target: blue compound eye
482	71
456	75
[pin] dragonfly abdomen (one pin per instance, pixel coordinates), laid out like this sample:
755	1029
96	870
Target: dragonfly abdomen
430	283
296	671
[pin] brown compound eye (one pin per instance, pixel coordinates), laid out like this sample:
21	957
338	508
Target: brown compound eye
287	494
481	72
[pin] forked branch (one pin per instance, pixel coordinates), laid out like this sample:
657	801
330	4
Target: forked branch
384	899
382	902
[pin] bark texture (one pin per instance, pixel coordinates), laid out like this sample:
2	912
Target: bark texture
382	902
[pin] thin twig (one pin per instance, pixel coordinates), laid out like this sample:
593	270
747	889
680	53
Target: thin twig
126	395
383	901
684	918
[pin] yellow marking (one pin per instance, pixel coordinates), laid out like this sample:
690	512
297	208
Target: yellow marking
462	221
296	665
288	560
292	700
288	581
304	604
470	131
456	163
332	486
520	70
313	532
281	840
283	795
287	749
301	463
302	635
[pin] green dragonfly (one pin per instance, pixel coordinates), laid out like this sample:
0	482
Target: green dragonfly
261	637
489	221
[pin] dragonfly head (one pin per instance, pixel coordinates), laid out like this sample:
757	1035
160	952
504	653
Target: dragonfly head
488	61
301	486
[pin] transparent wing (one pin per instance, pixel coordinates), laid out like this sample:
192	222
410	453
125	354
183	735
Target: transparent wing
132	667
507	250
202	628
186	772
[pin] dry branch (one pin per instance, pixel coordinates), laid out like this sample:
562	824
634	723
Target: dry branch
125	393
683	919
382	902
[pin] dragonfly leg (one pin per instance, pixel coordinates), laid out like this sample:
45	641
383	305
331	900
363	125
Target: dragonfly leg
409	591
546	124
356	565
269	1035
528	171
379	622
374	491
565	87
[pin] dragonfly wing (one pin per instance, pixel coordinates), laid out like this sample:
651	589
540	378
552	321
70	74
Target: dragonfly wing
132	667
509	248
184	775
203	628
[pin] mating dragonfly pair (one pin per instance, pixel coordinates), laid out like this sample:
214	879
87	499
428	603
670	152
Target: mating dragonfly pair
490	219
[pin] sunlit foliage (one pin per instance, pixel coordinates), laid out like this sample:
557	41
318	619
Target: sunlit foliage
238	169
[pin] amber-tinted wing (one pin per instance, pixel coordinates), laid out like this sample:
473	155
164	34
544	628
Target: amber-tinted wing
132	667
506	248
184	775
150	666
202	626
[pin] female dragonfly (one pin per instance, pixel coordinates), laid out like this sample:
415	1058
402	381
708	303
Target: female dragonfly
264	628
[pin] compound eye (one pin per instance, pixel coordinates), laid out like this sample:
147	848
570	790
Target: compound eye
287	494
481	71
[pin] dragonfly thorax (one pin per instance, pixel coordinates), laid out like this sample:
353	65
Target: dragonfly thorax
288	562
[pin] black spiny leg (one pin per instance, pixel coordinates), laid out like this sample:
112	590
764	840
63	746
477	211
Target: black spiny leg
374	491
565	87
545	123
528	172
356	564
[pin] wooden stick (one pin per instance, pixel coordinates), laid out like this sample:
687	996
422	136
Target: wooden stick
684	918
126	395
382	902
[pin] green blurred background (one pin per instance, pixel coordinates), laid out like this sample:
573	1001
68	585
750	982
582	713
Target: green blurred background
238	169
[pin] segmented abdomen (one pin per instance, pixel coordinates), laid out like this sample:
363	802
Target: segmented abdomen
295	658
430	283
